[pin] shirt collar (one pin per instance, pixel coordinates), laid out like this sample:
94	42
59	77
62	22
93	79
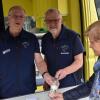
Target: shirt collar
8	35
61	35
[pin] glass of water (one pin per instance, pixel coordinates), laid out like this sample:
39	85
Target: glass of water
54	87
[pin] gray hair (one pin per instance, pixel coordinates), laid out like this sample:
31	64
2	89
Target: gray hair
51	10
94	30
11	10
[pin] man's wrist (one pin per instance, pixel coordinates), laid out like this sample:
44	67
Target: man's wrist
44	73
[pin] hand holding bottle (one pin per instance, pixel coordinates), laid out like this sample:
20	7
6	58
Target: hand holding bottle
54	86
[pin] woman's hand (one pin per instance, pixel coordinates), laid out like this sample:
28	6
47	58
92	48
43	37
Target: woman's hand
56	96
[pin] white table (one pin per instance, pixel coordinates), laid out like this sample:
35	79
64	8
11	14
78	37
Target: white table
40	96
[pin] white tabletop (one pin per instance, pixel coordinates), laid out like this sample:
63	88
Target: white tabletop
40	96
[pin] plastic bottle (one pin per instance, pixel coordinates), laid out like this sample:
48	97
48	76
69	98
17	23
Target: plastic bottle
54	86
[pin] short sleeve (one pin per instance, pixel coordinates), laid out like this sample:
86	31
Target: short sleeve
36	45
78	46
43	46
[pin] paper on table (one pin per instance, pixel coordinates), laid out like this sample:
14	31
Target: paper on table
31	98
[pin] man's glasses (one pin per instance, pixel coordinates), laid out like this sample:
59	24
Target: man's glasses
52	20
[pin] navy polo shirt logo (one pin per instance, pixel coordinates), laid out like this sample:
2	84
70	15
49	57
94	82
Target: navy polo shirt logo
6	51
64	49
25	44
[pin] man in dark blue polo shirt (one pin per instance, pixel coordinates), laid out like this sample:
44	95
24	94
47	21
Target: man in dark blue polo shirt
18	50
63	50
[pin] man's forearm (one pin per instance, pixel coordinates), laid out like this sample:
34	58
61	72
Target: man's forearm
40	63
42	67
77	64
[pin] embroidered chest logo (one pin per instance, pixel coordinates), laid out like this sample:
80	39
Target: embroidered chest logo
6	51
25	44
64	49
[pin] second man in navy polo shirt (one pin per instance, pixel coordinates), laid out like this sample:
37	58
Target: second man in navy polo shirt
62	49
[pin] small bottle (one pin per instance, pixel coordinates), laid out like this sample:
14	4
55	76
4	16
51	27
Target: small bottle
54	86
95	92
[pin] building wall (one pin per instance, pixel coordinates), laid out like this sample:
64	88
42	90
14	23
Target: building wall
26	4
36	8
